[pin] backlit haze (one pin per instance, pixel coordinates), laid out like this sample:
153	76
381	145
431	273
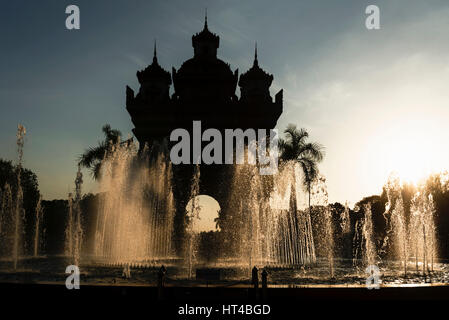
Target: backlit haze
378	100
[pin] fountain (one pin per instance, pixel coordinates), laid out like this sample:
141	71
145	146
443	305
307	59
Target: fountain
39	211
363	242
19	213
6	220
74	230
422	231
367	237
267	226
412	234
319	196
396	238
12	214
266	222
191	217
134	228
136	210
345	220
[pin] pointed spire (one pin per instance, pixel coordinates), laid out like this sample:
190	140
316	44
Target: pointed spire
154	53
205	20
256	62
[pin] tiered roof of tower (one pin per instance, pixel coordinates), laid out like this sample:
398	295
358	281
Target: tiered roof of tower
204	89
255	73
206	36
154	72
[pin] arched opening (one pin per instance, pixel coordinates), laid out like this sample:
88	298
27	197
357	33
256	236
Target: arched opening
206	218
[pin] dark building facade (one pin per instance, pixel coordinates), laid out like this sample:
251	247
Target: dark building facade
204	88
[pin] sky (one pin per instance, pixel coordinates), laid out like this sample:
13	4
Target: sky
378	100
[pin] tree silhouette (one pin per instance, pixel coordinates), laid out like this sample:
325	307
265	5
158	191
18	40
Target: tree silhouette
307	154
92	158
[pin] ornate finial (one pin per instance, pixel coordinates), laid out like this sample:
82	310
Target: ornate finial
205	20
155	53
256	63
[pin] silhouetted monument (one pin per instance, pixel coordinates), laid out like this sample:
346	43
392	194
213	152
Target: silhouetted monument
204	89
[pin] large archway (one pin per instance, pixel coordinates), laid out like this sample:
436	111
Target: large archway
207	215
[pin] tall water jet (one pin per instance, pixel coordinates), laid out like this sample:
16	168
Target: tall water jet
288	223
38	215
346	248
422	230
328	233
345	221
242	223
367	239
363	242
136	210
192	215
19	212
78	236
396	239
68	248
74	230
319	194
7	217
268	220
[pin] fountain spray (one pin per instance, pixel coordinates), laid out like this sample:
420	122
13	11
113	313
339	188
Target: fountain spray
136	206
395	216
39	212
19	214
422	229
367	230
194	214
74	230
7	213
321	198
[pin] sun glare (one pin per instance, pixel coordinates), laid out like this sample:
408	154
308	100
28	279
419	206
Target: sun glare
410	148
403	158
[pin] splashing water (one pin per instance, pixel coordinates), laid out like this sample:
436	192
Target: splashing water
367	232
422	230
363	242
320	199
19	212
344	220
136	209
6	222
74	230
192	216
269	226
396	240
415	236
38	217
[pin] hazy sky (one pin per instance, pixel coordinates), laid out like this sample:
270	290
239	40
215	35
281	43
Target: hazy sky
377	99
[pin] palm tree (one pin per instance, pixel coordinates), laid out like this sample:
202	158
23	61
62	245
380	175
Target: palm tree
307	155
92	158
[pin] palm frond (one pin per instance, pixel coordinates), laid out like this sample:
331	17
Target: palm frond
88	158
313	150
96	170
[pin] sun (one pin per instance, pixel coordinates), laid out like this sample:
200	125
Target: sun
404	159
409	147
